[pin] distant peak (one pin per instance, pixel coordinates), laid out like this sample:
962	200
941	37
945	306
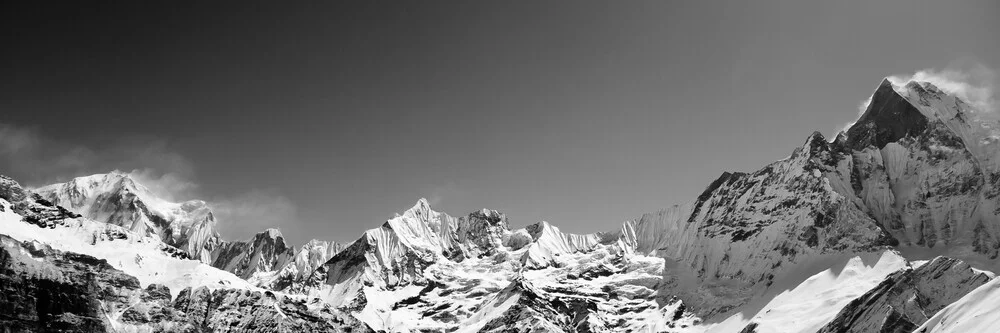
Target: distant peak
113	177
422	203
421	209
490	212
270	233
489	217
117	176
841	136
316	242
815	136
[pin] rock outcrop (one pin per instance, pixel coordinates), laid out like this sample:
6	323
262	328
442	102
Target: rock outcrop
907	298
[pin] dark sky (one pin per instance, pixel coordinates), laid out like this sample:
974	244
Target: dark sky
327	118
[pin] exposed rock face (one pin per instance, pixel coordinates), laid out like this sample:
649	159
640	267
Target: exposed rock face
888	118
46	290
977	311
265	252
10	190
747	229
916	170
60	292
923	165
41	212
907	298
32	207
425	270
296	274
233	310
813	303
482	232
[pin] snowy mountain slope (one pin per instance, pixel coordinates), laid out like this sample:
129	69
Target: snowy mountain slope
116	198
308	258
477	274
138	255
977	311
908	173
906	298
870	293
746	230
50	290
810	305
64	272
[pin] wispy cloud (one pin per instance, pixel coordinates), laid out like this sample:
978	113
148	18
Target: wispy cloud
170	186
972	82
37	159
436	195
16	140
251	212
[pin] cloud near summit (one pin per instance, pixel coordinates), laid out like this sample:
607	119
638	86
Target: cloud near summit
973	82
34	159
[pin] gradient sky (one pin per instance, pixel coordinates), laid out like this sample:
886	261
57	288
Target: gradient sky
331	117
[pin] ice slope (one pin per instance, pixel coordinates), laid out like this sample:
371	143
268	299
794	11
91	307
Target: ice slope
116	198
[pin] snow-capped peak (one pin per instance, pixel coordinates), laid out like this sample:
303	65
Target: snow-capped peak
117	198
888	118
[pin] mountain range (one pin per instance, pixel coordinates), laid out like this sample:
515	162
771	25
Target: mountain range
893	225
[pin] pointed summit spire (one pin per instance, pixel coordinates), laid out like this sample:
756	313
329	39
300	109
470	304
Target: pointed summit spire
888	118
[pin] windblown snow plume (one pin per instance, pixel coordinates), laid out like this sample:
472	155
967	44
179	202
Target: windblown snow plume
973	83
